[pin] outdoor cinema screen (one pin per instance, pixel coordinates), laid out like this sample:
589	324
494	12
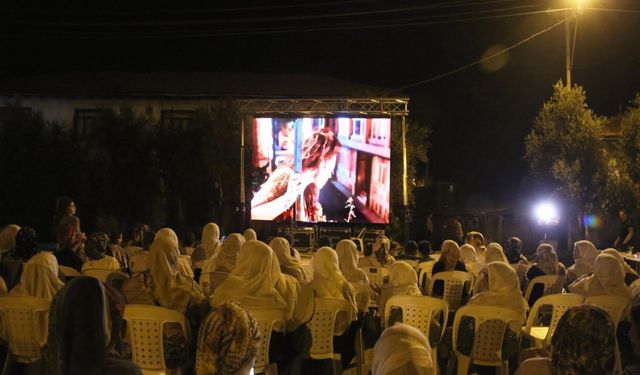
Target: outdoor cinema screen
321	169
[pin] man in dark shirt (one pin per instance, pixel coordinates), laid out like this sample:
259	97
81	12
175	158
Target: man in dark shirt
624	241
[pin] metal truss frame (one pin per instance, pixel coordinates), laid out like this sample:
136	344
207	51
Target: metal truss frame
394	106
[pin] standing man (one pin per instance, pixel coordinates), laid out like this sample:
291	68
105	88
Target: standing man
624	242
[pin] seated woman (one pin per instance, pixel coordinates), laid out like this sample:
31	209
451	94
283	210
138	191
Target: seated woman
546	263
81	334
257	282
584	254
513	252
183	261
39	277
289	264
449	261
26	246
170	288
8	237
209	245
607	279
328	282
630	275
96	249
380	256
584	343
220	266
494	253
402	350
228	341
250	234
348	261
403	281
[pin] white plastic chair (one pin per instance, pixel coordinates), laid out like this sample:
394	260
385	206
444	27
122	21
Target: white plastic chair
376	275
424	275
268	320
145	325
454	285
553	284
559	303
490	324
614	305
417	311
25	323
100	274
323	328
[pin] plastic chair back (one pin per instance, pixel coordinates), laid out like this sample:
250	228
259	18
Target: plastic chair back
139	263
100	274
145	325
614	305
553	284
454	285
25	323
559	304
323	326
424	275
376	275
490	324
268	321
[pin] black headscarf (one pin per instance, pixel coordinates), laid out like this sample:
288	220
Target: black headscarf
26	245
97	245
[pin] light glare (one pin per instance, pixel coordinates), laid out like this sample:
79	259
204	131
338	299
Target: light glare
546	213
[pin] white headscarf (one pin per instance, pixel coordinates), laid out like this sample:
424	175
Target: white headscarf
618	256
584	254
250	234
348	261
402	350
183	264
289	264
403	281
257	282
607	279
167	233
170	288
468	254
8	237
227	256
495	253
39	277
328	281
210	239
504	289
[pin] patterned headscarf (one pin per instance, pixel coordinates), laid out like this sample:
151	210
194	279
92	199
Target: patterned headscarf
26	245
584	342
8	237
513	250
97	245
227	340
547	260
381	248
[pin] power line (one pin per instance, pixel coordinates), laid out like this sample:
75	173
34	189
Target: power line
173	34
238	20
629	11
483	59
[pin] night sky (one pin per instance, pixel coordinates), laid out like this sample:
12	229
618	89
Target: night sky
479	116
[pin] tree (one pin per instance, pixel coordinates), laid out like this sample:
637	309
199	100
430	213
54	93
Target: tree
565	150
629	157
417	148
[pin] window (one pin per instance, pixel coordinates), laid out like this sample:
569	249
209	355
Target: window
174	118
84	121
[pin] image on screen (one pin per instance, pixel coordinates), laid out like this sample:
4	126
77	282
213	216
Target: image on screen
321	169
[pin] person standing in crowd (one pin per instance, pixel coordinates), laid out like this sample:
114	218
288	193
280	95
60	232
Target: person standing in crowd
625	240
70	251
65	207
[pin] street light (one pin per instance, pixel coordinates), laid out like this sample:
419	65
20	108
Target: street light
570	37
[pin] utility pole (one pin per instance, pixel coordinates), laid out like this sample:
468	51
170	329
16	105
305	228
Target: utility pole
570	38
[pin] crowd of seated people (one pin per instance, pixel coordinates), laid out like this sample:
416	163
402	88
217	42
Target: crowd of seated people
218	284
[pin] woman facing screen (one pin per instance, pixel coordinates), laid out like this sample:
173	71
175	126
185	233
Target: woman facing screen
277	195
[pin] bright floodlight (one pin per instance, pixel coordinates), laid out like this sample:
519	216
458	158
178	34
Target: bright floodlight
546	213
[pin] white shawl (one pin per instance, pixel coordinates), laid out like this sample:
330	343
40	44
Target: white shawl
402	350
39	277
348	261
